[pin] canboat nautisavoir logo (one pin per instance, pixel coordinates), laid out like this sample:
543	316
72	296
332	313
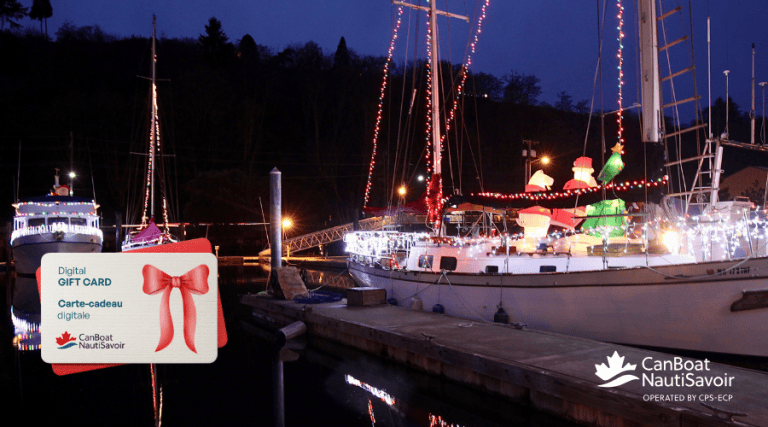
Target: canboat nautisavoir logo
611	372
65	341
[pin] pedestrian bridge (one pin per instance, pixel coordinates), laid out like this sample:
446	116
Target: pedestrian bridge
330	235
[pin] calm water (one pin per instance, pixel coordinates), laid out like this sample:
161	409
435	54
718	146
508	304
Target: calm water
329	386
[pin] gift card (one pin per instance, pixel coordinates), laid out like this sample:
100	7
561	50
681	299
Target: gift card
129	308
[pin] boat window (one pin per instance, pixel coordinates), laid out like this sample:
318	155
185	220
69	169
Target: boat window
547	269
78	221
448	263
491	268
58	219
425	261
35	222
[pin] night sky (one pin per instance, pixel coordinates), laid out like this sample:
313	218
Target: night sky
554	40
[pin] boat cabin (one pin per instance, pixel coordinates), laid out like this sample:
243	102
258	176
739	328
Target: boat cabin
55	213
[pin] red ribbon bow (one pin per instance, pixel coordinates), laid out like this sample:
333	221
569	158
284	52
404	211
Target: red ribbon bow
194	281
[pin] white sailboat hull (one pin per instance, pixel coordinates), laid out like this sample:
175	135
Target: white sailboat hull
684	306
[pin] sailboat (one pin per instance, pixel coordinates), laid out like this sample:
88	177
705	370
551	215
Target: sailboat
55	222
149	233
687	274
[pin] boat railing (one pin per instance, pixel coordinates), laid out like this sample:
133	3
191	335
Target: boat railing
57	227
380	244
130	244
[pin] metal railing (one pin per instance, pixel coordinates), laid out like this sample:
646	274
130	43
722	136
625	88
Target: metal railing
330	235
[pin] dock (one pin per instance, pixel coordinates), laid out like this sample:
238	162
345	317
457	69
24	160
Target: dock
552	373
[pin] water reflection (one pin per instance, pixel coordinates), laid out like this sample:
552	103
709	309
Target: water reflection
328	384
333	279
255	275
383	395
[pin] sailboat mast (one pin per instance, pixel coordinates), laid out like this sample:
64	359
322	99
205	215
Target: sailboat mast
153	123
649	60
437	159
435	98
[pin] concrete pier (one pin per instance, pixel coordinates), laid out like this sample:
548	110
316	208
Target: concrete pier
553	373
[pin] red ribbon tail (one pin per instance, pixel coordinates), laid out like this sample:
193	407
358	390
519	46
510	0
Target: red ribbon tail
190	318
166	322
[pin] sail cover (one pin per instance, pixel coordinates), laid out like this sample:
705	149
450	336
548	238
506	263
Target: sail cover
151	232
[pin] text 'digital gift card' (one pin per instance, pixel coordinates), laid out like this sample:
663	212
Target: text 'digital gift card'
129	308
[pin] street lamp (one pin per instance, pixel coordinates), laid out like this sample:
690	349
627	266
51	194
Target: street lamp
529	154
286	223
72	176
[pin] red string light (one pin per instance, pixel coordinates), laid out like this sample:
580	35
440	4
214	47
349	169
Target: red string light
381	106
568	193
452	113
434	209
465	70
620	55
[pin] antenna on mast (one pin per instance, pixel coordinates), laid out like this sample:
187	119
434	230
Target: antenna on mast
709	76
762	124
752	111
727	104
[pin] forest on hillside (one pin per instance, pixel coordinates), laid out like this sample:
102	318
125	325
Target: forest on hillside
232	110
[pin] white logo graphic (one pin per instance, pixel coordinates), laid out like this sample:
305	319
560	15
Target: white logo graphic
614	368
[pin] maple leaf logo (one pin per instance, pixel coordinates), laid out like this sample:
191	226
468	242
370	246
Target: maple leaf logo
65	338
615	367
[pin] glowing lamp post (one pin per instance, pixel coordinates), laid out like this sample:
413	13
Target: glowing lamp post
72	176
287	223
529	154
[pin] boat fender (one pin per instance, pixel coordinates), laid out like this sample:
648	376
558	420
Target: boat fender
303	274
416	304
392	301
501	316
438	308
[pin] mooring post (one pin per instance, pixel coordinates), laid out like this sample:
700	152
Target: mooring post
118	231
275	223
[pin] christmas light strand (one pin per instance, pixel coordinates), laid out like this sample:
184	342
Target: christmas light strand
58	227
628	185
428	139
712	240
435	209
620	55
465	70
376	130
154	132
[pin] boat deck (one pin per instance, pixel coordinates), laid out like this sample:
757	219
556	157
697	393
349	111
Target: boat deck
553	373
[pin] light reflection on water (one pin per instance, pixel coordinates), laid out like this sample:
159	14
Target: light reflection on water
335	279
256	274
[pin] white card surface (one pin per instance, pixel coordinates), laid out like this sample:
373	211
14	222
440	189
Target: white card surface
111	308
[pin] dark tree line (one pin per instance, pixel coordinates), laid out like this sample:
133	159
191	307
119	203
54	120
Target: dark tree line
231	111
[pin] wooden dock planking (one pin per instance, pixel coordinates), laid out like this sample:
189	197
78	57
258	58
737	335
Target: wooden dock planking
554	373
